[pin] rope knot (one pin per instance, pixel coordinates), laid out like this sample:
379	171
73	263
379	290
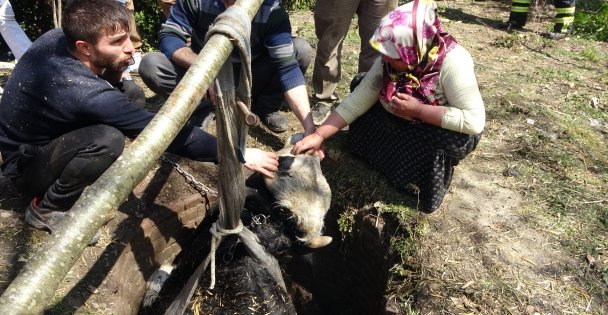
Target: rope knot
218	232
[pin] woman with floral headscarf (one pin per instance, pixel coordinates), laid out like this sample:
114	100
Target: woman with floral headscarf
417	112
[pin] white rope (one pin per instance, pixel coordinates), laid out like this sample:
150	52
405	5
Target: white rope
232	132
242	21
217	234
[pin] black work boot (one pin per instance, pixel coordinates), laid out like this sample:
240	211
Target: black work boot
275	121
555	35
559	32
517	20
41	218
511	25
203	115
48	220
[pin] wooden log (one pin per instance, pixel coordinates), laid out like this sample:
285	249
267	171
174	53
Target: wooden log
33	289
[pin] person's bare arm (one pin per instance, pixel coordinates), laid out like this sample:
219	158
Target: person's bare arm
184	57
297	99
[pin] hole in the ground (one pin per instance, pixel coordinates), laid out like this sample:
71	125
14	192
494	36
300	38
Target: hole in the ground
349	276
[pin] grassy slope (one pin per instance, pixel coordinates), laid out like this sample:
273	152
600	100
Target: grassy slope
545	146
546	133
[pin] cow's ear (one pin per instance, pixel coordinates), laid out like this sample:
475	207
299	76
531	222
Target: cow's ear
285	162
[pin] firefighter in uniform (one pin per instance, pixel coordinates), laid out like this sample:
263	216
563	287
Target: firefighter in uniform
563	18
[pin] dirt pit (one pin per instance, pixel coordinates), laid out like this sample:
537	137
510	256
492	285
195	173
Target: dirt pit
348	276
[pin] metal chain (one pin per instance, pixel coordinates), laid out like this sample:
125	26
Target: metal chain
200	187
259	219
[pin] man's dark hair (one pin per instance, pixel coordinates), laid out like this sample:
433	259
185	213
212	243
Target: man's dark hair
89	20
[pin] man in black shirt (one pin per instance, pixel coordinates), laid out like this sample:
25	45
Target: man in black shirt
62	122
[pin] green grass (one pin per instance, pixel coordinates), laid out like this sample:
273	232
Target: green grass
591	54
561	161
565	166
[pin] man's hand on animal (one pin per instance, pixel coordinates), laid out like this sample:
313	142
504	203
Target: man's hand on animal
260	161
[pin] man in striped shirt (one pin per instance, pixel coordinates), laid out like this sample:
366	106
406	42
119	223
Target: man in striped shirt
279	61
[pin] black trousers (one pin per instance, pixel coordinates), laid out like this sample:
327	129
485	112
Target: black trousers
58	172
563	17
410	153
162	76
415	157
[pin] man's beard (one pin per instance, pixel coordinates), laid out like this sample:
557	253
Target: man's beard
108	62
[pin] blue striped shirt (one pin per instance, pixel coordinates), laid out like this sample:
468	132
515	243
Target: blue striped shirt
270	34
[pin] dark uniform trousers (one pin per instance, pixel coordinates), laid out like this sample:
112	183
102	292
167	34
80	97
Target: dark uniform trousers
563	18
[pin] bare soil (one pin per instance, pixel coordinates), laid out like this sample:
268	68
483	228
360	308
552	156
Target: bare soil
480	253
483	253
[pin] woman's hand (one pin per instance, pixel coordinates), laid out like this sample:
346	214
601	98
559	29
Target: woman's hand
311	144
405	105
261	161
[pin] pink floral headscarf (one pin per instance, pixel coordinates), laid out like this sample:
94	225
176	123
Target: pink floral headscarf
412	33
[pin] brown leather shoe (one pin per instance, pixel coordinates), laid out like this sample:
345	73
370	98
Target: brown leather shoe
320	111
